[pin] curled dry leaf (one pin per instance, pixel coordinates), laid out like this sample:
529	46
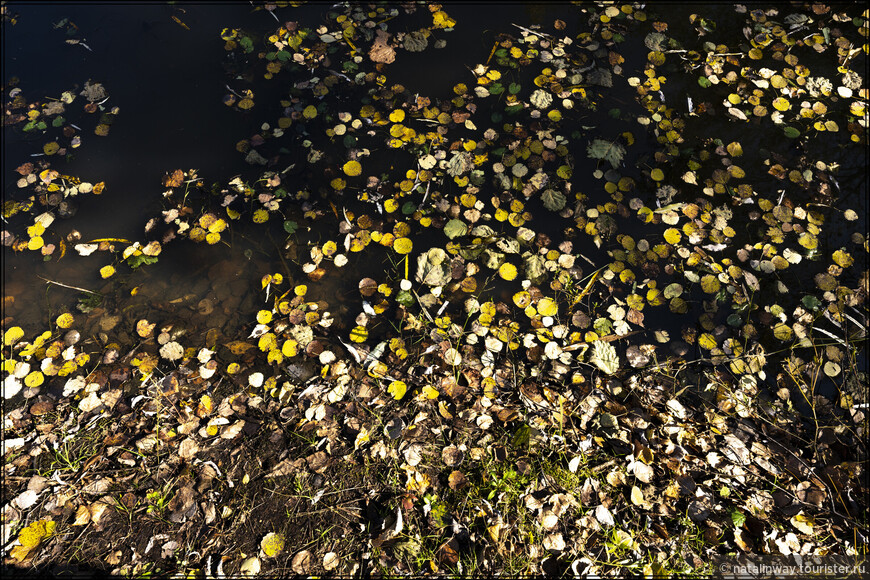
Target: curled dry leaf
381	51
457	480
451	456
301	562
330	561
250	567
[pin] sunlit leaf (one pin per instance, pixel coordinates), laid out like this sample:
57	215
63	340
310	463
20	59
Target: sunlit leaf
843	258
34	379
359	334
397	389
507	271
403	245
13	335
65	320
604	357
547	307
272	544
710	284
352	168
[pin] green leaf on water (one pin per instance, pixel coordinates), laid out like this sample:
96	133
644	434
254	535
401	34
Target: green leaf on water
810	302
553	200
791	132
290	226
455	228
704	82
405	298
136	261
610	151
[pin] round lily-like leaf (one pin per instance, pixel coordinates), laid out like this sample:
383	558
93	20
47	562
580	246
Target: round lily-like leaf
403	245
352	168
507	271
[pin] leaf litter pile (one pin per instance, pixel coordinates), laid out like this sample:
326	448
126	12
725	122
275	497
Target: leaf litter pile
540	322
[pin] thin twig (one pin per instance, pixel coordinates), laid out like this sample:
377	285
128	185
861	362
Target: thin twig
530	31
68	286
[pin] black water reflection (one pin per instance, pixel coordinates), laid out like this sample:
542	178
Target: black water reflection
168	82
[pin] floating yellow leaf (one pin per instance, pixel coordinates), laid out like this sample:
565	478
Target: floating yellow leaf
352	168
672	236
359	334
808	240
843	259
430	392
710	284
522	299
782	331
268	342
65	320
734	149
107	271
547	307
781	104
289	348
264	316
13	335
397	116
657	174
706	341
34	379
50	148
309	112
403	245
507	271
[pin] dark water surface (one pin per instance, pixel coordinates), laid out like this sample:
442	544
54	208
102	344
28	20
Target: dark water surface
168	82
